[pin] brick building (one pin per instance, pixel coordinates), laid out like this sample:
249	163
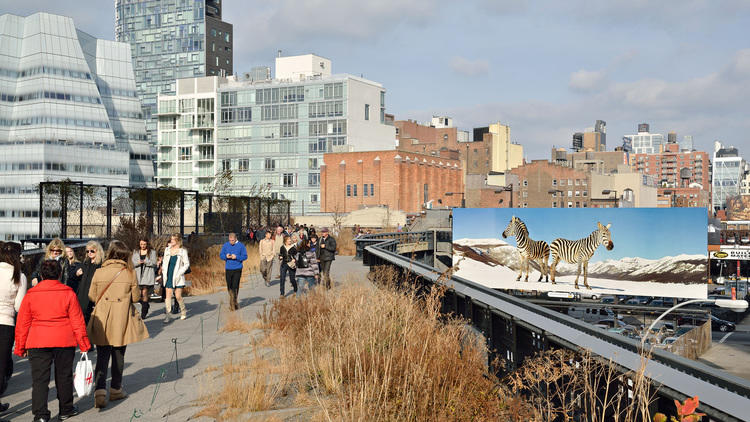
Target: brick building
400	180
542	184
691	196
429	139
600	162
675	169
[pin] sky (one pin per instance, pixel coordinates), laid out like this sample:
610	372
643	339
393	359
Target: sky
650	233
547	68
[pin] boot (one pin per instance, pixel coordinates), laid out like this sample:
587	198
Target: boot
236	296
167	309
117	394
232	300
100	399
183	309
145	306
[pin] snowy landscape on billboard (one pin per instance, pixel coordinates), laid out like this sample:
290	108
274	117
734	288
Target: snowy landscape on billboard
644	252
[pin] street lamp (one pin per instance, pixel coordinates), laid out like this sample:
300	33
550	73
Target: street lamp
608	191
732	304
463	198
554	192
508	188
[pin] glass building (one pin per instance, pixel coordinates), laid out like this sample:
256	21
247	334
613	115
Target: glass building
728	173
68	110
646	142
269	134
169	40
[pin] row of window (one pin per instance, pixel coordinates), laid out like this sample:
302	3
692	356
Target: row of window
51	96
105	90
74	168
124	114
326	109
322	145
279	112
46	70
329	127
61	121
570	205
570	194
29	213
94	145
351	190
562	182
149	157
214	34
290	94
237	114
18	190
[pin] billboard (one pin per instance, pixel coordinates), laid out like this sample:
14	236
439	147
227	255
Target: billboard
593	251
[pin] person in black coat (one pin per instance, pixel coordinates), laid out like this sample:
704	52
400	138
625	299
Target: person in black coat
92	262
56	251
326	255
288	261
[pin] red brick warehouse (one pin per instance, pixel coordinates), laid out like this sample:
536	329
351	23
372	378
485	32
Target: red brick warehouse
400	180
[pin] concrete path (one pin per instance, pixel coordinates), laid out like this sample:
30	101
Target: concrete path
167	372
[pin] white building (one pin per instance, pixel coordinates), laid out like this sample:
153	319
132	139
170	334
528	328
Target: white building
270	134
646	142
728	173
68	110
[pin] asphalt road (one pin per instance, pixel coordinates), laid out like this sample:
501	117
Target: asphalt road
733	337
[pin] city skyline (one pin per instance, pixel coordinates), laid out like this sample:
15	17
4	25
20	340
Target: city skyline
680	68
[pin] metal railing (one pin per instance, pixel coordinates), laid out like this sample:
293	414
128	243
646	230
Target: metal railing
516	328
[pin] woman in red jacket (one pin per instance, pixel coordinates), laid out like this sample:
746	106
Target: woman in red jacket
50	324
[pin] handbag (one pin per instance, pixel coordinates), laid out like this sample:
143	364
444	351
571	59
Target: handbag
83	379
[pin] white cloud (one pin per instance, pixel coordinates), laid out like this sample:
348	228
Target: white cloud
587	81
467	67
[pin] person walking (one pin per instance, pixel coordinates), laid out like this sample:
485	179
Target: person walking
115	323
173	268
307	271
55	250
49	326
326	255
287	261
266	251
73	265
92	262
233	253
144	264
278	242
12	291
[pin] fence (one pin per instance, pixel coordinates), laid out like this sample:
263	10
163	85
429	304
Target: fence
694	343
78	210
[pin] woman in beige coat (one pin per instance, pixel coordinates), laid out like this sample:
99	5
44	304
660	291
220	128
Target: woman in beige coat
114	322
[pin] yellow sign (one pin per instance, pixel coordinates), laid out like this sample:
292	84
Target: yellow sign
720	254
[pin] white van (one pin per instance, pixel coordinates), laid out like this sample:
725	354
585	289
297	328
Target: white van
590	314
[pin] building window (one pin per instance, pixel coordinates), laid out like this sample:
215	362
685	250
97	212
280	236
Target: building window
578	193
583	182
578	204
367	111
348	190
364	190
554	182
570	182
186	153
314	198
585	193
372	189
525	194
526	183
226	165
226	36
525	205
269	164
312	163
570	194
426	193
313	179
570	204
354	189
288	180
554	204
243	165
578	182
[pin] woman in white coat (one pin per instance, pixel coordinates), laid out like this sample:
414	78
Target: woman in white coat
12	290
173	269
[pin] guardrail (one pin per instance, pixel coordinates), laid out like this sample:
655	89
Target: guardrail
507	321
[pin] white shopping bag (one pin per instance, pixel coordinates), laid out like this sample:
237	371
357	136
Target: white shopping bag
83	380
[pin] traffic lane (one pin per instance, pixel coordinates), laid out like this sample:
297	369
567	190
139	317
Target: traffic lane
733	337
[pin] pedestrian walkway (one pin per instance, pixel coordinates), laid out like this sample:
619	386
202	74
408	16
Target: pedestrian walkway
167	372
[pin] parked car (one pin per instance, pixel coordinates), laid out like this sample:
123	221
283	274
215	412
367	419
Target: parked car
638	300
666	302
716	323
627	331
589	313
611	322
609	299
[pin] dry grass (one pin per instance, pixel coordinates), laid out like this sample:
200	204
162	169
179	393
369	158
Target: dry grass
207	269
359	353
235	322
345	243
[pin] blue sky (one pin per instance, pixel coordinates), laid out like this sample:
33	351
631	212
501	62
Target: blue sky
649	233
548	68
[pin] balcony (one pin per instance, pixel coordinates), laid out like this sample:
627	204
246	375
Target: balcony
206	157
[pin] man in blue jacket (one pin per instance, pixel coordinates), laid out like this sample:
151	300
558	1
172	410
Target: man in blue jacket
233	253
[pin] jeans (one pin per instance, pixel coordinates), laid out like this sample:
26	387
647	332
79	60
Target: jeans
266	269
325	273
41	360
7	335
284	271
309	280
103	354
233	286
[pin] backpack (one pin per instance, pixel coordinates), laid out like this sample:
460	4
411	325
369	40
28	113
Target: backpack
303	262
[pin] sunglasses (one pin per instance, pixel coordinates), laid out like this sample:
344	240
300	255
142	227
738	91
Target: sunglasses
56	250
90	251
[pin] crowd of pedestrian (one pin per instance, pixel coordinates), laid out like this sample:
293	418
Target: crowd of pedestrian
69	303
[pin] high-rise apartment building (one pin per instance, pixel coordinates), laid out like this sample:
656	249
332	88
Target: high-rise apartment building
673	168
169	40
728	173
592	139
646	142
270	135
68	110
687	143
